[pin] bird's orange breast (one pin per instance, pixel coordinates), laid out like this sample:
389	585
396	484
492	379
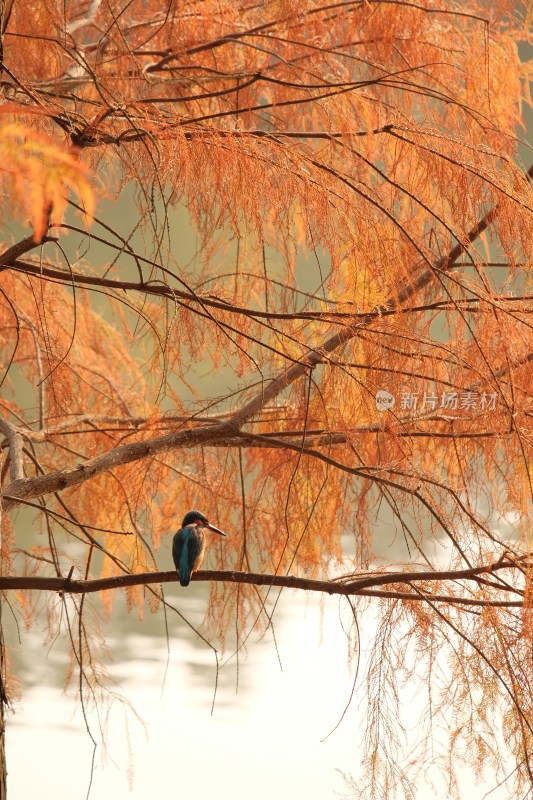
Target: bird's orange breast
199	558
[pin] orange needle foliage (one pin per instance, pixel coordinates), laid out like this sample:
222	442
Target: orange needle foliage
38	172
347	351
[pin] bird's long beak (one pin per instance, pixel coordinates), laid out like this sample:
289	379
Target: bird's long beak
217	530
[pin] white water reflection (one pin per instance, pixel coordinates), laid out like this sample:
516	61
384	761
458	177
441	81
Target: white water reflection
263	742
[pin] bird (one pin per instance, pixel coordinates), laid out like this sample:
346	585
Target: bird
188	545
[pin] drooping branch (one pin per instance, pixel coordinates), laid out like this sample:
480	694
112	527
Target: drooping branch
408	290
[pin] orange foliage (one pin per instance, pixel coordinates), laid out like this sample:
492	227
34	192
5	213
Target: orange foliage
38	172
363	229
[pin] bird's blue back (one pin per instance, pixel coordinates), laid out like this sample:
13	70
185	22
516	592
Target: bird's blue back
186	548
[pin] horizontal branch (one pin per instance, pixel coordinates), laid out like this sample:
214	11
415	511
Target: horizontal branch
175	295
364	586
299	439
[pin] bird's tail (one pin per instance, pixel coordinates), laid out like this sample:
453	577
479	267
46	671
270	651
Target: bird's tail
185	575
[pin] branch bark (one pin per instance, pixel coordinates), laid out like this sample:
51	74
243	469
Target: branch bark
14	438
12	254
25	488
365	585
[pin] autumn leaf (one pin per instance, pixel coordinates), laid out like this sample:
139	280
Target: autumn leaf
39	173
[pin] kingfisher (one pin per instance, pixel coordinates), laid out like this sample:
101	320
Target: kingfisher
188	545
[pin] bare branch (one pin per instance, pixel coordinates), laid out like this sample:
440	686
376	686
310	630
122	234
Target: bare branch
13	253
350	588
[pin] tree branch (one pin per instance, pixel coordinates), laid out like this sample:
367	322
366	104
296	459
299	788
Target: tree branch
14	438
24	488
212	301
62	479
366	585
347	333
9	256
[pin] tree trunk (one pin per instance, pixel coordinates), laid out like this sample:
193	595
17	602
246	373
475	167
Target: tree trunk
3	704
3	670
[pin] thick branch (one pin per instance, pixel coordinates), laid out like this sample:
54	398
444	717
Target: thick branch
14	438
24	488
62	479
